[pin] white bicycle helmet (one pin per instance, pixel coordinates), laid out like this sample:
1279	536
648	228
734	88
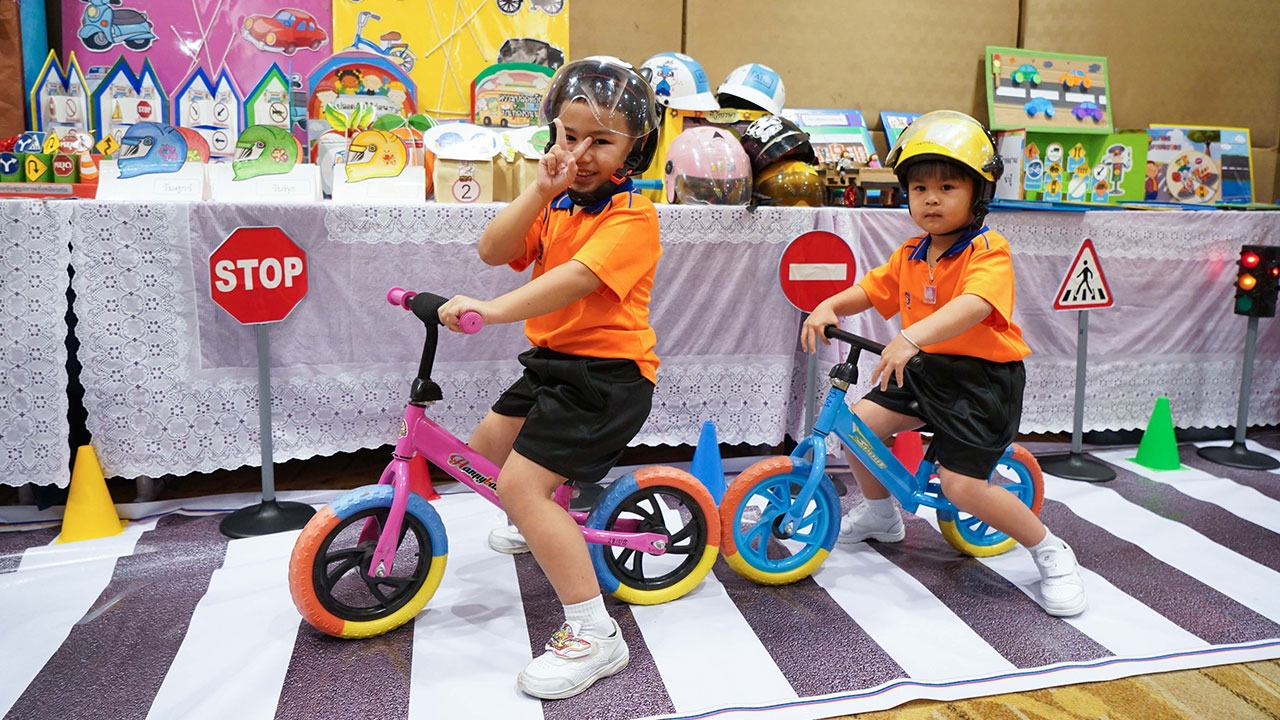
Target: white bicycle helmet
751	87
679	82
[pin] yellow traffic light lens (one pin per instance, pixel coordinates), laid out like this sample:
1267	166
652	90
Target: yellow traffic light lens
1246	282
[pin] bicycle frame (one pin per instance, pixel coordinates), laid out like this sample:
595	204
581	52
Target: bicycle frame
423	436
911	491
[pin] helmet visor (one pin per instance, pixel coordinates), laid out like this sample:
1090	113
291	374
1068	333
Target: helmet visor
617	96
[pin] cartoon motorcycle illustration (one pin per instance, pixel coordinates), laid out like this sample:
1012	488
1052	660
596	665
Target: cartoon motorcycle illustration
103	25
550	7
391	47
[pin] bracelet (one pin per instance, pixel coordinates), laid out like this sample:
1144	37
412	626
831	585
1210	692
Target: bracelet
904	335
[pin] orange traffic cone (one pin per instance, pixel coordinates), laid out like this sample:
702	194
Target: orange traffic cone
909	449
90	514
420	478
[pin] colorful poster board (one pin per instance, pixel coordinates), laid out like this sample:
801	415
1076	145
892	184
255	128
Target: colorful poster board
840	138
1198	165
1047	91
509	94
1072	168
60	97
894	123
443	46
179	36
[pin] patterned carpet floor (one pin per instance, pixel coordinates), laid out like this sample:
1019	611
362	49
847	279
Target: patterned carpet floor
173	620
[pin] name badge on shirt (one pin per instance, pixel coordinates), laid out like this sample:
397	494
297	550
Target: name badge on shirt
930	295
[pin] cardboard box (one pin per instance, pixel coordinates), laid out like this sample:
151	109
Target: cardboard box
464	181
677	121
1074	168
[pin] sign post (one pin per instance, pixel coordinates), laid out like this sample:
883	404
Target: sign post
258	275
1083	288
815	266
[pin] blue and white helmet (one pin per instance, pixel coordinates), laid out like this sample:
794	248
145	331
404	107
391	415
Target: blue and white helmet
755	85
149	147
679	82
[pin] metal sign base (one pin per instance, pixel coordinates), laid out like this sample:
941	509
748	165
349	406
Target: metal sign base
266	518
1238	456
1075	466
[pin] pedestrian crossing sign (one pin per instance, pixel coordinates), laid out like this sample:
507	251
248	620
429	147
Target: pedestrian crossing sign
1084	287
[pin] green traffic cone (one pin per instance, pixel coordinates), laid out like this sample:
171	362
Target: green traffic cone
1158	448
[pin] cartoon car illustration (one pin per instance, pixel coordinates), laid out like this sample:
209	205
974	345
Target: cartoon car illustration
1025	73
1087	110
1075	78
285	32
1039	105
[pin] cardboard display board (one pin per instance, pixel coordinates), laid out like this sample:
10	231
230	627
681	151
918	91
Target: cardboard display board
1047	91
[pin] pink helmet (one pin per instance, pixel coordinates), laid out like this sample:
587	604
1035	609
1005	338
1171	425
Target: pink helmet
707	166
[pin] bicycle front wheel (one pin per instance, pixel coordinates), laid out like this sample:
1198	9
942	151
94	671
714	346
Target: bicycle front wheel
1020	475
661	500
753	541
331	579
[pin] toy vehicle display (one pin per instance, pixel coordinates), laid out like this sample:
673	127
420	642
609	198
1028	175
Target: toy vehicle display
1039	105
1087	110
286	31
1026	73
1075	78
850	186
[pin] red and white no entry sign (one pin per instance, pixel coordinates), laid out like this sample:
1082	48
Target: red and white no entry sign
815	266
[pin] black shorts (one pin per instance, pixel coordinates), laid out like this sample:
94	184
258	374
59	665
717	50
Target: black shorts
580	412
972	406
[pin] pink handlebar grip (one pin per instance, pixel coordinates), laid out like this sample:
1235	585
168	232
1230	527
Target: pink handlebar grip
399	296
471	322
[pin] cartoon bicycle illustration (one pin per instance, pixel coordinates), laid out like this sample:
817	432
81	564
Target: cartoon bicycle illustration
371	560
550	7
390	45
781	516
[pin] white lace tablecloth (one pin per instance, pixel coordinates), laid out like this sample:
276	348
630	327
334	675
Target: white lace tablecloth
170	378
33	355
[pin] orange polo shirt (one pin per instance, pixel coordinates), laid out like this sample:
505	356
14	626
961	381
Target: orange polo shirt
617	239
979	263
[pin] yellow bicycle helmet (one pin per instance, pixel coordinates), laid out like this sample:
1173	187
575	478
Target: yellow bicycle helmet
952	137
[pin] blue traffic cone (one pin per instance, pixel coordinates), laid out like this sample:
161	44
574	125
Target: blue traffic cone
706	462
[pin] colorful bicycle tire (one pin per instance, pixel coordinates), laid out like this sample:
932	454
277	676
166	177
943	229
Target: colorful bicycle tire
746	550
309	563
974	537
698	540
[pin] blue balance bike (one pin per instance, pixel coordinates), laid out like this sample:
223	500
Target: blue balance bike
780	518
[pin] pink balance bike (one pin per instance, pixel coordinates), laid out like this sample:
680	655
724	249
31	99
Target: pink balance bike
371	560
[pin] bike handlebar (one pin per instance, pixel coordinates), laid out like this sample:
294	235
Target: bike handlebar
857	341
427	307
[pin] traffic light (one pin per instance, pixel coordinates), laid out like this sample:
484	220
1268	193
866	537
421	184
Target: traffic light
1258	281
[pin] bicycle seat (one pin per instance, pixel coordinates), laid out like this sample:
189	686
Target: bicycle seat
390	37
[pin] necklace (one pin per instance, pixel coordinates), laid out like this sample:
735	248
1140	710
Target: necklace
930	290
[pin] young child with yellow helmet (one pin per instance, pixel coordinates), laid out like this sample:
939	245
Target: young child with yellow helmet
956	365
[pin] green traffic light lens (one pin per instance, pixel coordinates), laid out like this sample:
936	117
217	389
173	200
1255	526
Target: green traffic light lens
1243	304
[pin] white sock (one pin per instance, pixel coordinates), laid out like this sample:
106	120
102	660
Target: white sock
591	613
1050	541
882	508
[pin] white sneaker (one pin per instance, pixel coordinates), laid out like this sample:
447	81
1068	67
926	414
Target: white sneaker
861	524
573	662
507	539
1061	587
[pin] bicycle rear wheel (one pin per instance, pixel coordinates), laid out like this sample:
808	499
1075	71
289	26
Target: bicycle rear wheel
330	575
661	500
1021	476
752	539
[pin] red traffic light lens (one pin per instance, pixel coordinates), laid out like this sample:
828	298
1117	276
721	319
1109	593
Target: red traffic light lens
1249	259
1246	281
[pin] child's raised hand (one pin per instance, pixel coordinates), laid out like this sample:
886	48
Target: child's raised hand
813	327
559	165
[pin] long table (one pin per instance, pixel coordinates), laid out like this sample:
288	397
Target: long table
170	378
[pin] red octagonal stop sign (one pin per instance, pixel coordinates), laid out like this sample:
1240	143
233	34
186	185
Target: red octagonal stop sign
258	275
